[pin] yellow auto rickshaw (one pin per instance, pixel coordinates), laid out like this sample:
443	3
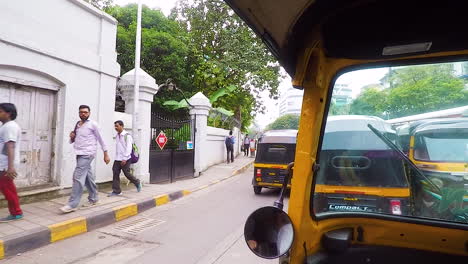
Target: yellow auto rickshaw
358	171
275	150
439	147
318	42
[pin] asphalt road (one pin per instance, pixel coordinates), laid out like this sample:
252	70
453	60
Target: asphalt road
204	227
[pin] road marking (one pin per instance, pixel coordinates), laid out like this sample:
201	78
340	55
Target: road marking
222	247
203	187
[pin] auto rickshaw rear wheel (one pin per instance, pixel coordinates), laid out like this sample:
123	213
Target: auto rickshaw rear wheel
257	189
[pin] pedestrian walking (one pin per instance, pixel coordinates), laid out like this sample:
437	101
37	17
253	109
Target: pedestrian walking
229	142
252	147
10	133
246	145
122	162
85	138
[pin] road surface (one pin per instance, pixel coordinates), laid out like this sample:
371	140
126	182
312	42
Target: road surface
204	227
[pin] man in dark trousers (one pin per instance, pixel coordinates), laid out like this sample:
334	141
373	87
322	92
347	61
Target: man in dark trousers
229	141
246	145
9	159
123	150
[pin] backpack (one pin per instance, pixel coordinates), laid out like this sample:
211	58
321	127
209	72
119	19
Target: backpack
135	154
229	141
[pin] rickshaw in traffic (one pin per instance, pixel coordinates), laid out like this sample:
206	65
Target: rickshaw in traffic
275	150
439	147
317	42
358	171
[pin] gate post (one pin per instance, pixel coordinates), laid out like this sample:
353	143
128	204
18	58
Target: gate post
148	88
199	115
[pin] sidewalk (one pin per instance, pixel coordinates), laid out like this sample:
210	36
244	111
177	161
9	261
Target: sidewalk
43	222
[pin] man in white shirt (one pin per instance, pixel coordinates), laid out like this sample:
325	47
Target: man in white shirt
246	145
9	159
123	150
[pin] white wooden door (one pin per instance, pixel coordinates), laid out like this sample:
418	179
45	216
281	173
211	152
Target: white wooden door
35	116
42	143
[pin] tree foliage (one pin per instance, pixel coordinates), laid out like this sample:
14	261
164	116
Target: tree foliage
415	90
285	122
164	50
338	109
226	52
203	46
370	102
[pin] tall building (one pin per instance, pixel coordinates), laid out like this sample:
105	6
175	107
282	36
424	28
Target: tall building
342	94
461	69
290	101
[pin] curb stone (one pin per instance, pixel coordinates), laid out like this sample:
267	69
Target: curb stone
31	239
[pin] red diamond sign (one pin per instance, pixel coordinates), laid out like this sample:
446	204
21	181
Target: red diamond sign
161	140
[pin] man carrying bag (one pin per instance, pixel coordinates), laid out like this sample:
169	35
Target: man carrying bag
124	157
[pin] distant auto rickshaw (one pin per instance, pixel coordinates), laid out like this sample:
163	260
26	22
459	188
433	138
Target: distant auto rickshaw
275	150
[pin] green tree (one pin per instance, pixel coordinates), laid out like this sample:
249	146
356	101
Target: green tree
339	109
371	102
164	50
285	122
203	46
414	90
226	52
422	89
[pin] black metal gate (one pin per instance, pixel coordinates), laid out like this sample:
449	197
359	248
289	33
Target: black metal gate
175	161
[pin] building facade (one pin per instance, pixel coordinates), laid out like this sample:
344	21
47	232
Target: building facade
58	55
290	101
342	94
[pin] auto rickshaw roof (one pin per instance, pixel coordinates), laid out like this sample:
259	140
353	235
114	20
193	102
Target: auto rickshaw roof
421	126
285	136
350	123
356	29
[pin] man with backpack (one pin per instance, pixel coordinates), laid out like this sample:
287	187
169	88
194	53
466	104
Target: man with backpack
229	141
124	157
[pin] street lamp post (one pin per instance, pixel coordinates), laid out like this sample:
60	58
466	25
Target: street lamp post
136	88
172	86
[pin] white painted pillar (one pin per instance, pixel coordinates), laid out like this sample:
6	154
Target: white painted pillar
147	89
199	114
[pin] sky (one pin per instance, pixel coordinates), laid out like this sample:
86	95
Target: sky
355	79
164	5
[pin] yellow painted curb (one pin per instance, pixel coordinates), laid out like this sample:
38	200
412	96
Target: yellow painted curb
2	250
163	199
186	192
125	211
67	229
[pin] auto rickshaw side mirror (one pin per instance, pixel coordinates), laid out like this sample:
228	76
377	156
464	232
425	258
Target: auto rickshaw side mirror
269	232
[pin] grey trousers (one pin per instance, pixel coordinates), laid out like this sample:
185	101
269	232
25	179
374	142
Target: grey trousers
83	176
